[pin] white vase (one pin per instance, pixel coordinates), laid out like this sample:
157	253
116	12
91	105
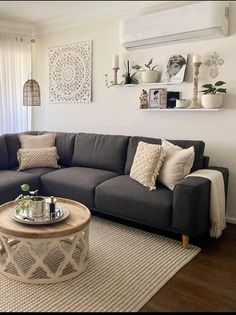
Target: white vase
150	76
212	100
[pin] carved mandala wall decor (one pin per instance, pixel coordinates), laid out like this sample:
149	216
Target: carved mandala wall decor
70	78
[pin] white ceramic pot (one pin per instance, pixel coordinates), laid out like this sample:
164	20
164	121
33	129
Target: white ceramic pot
150	76
212	100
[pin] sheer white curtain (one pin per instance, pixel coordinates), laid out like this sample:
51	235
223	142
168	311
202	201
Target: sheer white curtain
15	67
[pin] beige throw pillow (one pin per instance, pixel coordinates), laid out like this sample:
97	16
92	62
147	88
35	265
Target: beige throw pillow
178	163
42	157
46	140
147	163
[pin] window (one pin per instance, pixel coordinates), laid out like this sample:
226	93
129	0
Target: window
15	67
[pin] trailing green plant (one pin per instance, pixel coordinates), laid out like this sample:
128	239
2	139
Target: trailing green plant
213	89
25	201
147	66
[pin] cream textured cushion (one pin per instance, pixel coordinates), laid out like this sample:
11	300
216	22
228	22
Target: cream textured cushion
178	163
46	140
147	162
42	157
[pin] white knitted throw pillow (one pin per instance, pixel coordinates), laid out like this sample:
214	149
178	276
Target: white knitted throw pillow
42	157
146	165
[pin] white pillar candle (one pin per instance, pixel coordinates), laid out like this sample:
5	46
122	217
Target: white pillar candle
115	61
196	58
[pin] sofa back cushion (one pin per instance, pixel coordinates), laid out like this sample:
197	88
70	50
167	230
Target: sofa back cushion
3	154
107	152
65	147
13	145
197	144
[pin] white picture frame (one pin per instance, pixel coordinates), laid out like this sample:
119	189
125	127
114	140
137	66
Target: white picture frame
174	68
157	98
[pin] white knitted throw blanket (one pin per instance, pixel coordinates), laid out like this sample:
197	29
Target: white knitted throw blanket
217	200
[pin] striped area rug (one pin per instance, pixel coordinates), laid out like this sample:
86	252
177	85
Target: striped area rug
127	266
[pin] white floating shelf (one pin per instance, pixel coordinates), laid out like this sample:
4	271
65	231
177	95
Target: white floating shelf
148	84
179	109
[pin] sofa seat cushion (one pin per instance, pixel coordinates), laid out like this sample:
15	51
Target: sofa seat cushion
123	197
39	171
77	183
10	182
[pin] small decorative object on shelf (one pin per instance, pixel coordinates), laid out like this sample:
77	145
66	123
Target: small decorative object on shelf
128	77
157	98
181	103
196	65
212	63
213	95
172	97
143	99
149	74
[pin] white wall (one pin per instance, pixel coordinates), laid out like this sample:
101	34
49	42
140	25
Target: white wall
114	110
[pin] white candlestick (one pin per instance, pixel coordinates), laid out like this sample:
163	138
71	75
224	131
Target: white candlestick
196	58
115	62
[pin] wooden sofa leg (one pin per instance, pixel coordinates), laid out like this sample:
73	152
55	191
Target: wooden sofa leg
185	240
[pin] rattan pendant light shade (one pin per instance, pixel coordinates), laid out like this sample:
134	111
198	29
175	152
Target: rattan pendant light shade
31	93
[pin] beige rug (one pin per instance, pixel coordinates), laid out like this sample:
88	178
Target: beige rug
126	268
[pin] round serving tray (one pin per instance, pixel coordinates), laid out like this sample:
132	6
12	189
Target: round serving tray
61	214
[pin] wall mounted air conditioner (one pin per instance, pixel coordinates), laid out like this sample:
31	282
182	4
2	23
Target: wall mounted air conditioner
207	19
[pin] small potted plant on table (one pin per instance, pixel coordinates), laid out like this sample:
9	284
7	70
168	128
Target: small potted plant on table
213	95
31	205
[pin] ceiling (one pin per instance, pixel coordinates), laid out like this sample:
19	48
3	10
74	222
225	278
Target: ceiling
50	15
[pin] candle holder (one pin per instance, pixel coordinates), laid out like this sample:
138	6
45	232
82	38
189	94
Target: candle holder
115	75
195	103
114	82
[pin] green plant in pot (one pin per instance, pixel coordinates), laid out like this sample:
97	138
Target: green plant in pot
149	72
213	95
29	203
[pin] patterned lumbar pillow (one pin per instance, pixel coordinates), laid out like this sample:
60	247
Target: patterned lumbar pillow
46	140
178	163
41	157
147	162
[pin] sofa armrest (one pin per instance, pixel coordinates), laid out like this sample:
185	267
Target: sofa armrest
225	173
205	162
191	201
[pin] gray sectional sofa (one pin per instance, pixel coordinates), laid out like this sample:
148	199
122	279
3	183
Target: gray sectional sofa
95	171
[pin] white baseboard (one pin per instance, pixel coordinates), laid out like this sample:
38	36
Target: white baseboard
231	220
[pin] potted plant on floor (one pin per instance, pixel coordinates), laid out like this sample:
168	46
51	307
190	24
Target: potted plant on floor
31	205
213	95
149	74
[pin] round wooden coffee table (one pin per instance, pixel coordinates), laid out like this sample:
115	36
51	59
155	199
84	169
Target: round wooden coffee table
44	253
